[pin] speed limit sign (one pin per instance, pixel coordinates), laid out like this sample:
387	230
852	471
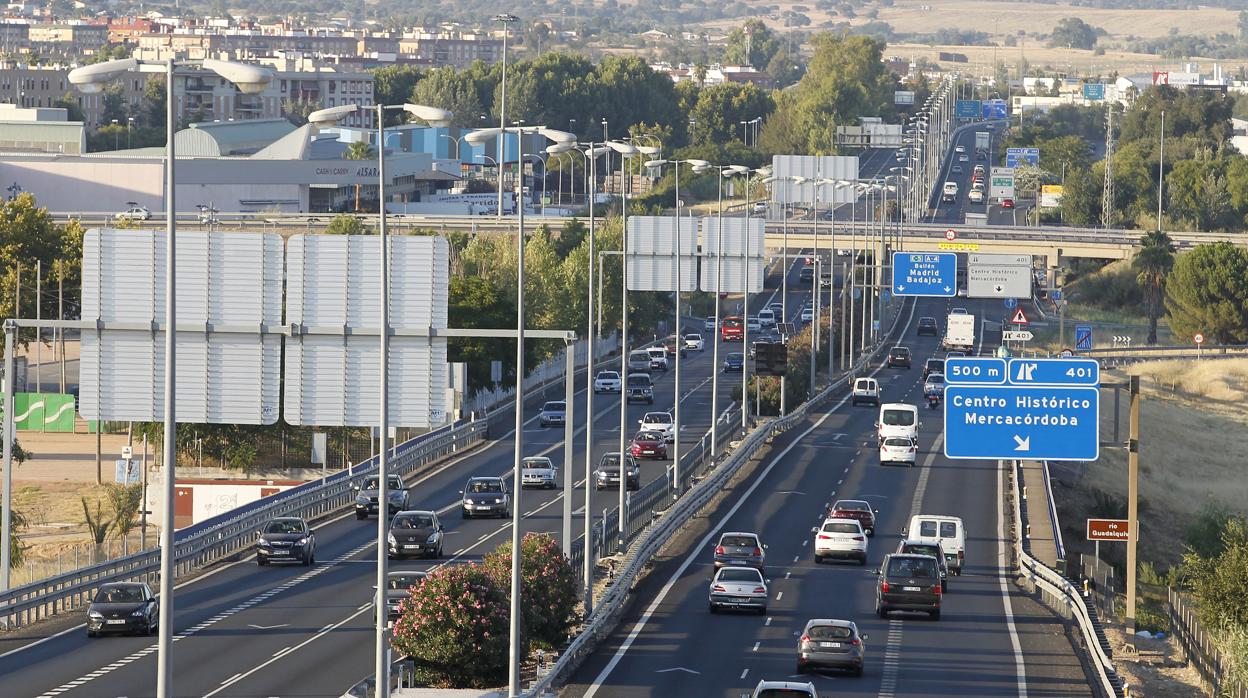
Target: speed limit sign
951	235
1199	338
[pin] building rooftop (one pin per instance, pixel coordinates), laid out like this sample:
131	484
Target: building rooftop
217	138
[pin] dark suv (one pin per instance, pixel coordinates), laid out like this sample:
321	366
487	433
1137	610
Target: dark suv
898	356
927	325
933	366
488	496
928	547
608	472
640	388
908	583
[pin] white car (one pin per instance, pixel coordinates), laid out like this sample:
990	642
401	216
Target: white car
964	158
841	538
738	588
958	311
766	317
538	471
607	382
934	385
708	325
752	325
808	314
760	207
959	149
658	358
788	689
693	342
898	449
661	422
134	213
866	390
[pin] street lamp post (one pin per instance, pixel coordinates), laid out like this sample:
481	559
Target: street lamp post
90	79
745	298
454	140
625	151
724	172
506	19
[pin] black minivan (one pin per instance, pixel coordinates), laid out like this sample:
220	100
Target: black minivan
908	582
899	356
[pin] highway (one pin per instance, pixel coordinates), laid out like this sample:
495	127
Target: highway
992	640
244	630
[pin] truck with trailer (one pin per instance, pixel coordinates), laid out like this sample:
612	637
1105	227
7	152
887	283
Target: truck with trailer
959	333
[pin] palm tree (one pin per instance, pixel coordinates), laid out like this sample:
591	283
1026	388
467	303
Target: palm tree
359	150
1152	265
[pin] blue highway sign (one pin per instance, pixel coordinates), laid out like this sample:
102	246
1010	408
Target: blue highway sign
1093	90
968	109
1015	157
1011	303
986	422
1055	295
994	109
975	371
1083	337
1054	372
925	274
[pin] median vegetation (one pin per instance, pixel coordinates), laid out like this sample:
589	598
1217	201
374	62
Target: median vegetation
455	624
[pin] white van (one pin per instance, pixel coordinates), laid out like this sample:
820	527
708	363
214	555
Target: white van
638	361
767	318
946	529
898	419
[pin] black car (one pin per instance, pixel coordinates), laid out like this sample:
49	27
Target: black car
123	607
908	583
734	362
286	539
933	366
806	275
608	472
927	325
415	533
929	547
898	357
486	496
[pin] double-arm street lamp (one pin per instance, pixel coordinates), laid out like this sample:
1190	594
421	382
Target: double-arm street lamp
438	118
91	79
724	171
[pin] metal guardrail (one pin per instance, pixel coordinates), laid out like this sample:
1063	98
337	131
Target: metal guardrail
1062	595
601	620
228	533
1184	351
1053	520
1200	648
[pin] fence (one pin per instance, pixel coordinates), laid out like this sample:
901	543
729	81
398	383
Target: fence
230	533
1202	651
546	373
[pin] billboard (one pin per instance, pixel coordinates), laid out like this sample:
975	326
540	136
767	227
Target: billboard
903	97
1166	77
1094	91
1050	196
968	109
1001	183
812	167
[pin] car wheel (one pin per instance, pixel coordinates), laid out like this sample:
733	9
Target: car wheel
711	607
762	611
857	672
307	560
880	610
360	515
91	633
818	559
439	555
944	586
801	668
870	532
261	561
464	515
153	628
935	615
862	561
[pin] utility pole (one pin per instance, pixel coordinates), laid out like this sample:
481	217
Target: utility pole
1161	169
1107	192
1133	497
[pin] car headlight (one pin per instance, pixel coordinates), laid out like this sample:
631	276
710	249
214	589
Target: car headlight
264	542
303	541
96	615
498	500
391	539
136	614
361	499
433	538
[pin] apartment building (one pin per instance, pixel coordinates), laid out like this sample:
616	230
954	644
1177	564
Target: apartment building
70	39
458	50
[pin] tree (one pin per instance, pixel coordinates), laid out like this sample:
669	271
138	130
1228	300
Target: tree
476	303
454	626
115	106
1219	582
125	501
153	114
753	44
1073	32
69	102
359	150
393	84
1207	292
446	89
1198	195
1152	265
296	111
343	224
1081	196
97	526
720	109
548	589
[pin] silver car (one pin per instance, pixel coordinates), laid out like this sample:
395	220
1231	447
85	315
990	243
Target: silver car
538	471
738	588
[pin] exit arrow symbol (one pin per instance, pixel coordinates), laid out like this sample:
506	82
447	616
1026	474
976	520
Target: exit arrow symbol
998	288
1023	444
947	289
901	288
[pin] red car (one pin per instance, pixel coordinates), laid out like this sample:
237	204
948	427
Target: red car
1007	203
855	509
649	444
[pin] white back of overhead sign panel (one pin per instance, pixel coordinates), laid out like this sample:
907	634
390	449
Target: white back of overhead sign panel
656	235
732	275
334	282
655	273
224	281
812	167
733	236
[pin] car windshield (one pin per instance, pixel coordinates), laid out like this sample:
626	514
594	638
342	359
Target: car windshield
284	526
829	632
693	337
783	693
738	541
922	550
659	418
935	366
553	407
935	379
901	351
610	460
127	594
639	356
406	581
898	418
608	375
649	436
897	441
864	385
911	567
844	527
850	505
536	463
411	522
639	380
740	575
370	483
479	486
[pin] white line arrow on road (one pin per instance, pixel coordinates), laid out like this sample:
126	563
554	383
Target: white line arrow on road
1024	444
267	627
678	668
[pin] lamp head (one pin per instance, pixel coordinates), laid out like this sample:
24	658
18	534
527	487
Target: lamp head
482	135
656	163
323	118
250	79
435	117
90	79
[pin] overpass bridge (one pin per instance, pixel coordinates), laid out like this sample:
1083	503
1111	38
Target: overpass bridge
1053	242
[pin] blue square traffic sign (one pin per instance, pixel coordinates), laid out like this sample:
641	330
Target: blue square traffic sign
975	370
1083	337
1054	372
925	274
987	422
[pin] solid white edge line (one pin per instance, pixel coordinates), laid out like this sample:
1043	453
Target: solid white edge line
706	540
1020	665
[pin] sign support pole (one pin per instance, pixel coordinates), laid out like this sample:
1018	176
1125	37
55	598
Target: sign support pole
10	330
569	395
1133	497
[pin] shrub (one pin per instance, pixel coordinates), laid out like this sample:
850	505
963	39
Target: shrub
455	627
548	591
